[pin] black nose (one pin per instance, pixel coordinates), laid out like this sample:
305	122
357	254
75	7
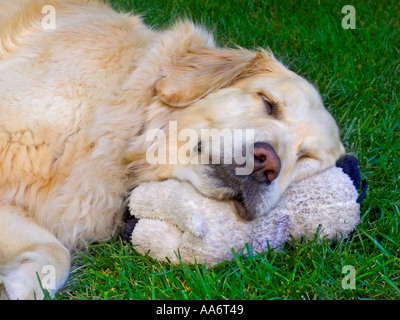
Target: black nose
267	164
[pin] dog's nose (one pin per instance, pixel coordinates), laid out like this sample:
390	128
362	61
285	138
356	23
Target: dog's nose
267	164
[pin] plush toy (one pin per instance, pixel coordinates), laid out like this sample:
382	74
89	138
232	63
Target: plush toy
171	220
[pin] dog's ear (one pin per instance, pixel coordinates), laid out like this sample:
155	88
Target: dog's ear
201	71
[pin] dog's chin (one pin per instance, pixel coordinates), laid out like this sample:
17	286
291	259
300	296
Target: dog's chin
256	201
241	207
251	199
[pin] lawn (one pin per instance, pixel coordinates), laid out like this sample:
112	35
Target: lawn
357	73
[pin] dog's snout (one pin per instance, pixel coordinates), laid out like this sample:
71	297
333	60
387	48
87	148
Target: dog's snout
267	164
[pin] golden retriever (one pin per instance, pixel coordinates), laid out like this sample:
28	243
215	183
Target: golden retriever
81	89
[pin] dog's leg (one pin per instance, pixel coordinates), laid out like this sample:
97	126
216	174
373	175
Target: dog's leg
29	253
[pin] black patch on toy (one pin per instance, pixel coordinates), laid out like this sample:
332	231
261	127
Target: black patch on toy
349	165
130	221
128	229
363	194
127	213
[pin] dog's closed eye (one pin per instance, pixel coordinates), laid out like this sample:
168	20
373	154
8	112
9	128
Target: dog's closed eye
270	105
302	154
305	154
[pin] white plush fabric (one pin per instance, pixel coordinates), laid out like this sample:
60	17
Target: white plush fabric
175	219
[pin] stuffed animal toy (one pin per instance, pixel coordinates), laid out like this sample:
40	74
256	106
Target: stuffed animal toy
170	220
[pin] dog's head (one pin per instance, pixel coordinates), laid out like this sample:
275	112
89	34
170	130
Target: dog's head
241	126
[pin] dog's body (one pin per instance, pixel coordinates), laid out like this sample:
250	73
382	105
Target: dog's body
77	103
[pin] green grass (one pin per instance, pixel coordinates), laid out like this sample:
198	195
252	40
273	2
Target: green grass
357	73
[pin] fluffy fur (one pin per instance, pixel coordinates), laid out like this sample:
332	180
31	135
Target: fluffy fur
78	101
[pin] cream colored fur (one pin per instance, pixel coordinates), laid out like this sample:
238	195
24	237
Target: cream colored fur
77	101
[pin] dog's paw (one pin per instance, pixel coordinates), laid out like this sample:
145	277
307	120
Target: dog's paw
22	277
35	275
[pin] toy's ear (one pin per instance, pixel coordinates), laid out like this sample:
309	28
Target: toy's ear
349	165
201	71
